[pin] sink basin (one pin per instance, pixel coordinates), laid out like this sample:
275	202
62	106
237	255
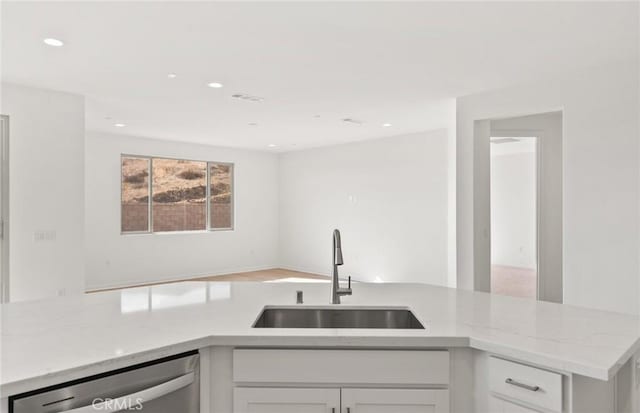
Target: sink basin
309	317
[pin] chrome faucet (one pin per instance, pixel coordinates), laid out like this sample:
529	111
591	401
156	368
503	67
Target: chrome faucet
336	291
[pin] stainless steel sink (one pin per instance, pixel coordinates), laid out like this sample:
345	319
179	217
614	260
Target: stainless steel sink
309	317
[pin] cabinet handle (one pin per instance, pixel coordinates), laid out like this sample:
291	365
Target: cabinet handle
521	385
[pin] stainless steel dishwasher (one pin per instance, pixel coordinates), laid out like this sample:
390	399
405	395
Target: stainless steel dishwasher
169	385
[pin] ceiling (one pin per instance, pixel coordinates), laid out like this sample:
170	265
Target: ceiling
314	63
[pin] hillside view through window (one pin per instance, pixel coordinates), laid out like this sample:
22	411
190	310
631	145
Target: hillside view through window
168	195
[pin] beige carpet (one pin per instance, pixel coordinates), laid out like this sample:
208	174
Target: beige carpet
514	281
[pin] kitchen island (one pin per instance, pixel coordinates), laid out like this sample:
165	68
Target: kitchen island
591	354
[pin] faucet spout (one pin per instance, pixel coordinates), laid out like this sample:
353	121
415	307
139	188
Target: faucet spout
337	248
336	290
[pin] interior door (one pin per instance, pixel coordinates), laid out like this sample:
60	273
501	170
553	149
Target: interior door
285	400
395	401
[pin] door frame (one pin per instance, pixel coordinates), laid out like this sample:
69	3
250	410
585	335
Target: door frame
538	136
4	210
475	244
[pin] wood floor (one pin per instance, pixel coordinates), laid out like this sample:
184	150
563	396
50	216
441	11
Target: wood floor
514	281
519	282
271	275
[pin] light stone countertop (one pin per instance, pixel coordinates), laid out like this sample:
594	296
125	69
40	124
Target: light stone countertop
51	341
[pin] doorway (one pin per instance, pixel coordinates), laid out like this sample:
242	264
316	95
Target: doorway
547	128
514	216
4	209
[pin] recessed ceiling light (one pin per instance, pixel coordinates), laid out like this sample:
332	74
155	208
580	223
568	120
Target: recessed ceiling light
215	85
386	125
119	125
172	75
50	41
272	145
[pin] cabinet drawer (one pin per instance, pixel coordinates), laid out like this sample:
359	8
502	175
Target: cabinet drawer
341	366
525	383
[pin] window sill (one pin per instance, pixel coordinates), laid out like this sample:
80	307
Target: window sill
199	231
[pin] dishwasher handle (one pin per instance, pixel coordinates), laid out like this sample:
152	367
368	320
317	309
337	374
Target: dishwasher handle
142	396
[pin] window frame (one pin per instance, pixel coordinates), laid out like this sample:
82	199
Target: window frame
208	227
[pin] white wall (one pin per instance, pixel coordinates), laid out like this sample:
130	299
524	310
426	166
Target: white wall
46	191
388	197
513	208
601	180
113	259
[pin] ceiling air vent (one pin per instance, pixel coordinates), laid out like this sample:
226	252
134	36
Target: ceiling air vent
248	98
354	121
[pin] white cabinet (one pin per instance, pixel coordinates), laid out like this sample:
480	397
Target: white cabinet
346	400
373	367
498	405
285	400
340	381
395	401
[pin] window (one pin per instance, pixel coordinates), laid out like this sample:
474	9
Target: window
179	195
169	195
221	205
135	194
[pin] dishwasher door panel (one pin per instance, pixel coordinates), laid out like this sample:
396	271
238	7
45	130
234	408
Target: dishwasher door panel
166	386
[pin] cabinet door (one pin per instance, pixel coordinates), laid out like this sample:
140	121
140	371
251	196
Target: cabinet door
498	405
283	400
395	401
